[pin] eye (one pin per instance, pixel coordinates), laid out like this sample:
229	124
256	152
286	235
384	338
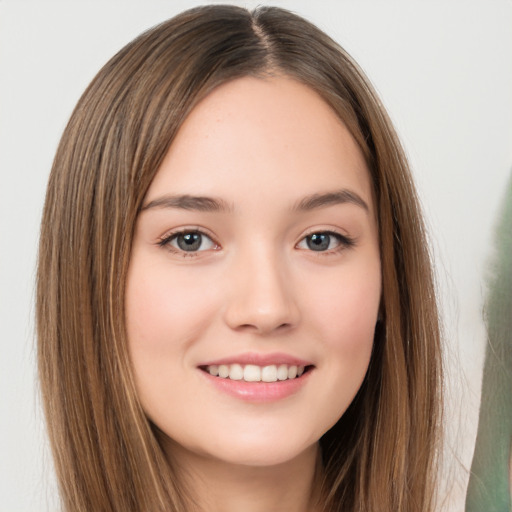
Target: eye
188	241
325	241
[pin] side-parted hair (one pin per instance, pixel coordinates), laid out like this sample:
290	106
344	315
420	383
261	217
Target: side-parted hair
382	453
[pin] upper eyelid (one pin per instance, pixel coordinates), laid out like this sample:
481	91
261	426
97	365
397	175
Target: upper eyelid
168	235
345	242
328	231
314	231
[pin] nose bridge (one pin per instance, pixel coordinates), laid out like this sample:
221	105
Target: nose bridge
261	297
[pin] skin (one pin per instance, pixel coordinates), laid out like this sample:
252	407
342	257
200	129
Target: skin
259	147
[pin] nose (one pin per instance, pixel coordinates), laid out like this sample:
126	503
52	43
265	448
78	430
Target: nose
261	296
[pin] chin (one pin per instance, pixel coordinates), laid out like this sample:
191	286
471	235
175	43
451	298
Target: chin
261	451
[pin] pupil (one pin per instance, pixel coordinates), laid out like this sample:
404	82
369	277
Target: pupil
189	242
318	242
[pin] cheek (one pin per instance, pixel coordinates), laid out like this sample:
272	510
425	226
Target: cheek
348	305
165	315
164	310
350	314
345	315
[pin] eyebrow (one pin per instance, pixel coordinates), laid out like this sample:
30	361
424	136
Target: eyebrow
324	200
188	202
212	204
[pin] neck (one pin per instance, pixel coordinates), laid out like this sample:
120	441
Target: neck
219	486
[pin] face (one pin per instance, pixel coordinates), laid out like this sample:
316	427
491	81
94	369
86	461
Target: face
254	282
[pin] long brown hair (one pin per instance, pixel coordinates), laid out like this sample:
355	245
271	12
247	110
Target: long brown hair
381	455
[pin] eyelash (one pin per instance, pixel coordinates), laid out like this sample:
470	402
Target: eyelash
345	242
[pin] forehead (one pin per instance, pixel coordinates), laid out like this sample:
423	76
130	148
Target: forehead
253	131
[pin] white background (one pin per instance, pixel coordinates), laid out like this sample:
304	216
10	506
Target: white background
442	68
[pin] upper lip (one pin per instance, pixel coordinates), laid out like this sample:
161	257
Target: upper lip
276	358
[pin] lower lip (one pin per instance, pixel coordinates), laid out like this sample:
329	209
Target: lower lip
259	391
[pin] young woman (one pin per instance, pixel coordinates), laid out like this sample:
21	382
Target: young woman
235	302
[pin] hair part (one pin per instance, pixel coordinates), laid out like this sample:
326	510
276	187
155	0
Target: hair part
381	455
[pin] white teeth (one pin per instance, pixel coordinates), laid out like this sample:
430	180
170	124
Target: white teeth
236	372
282	372
269	373
223	371
254	373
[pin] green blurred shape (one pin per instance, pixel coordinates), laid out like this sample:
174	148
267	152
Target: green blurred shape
489	483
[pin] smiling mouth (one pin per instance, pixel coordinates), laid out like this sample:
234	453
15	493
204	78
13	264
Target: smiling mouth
254	373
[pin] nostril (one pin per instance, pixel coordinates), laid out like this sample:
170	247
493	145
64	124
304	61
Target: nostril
262	327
